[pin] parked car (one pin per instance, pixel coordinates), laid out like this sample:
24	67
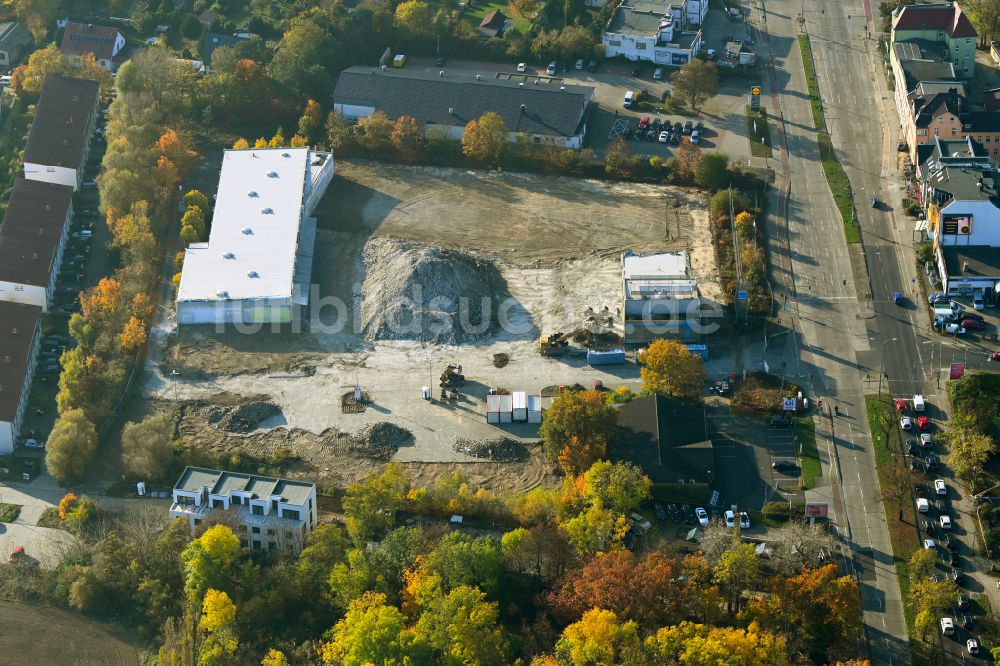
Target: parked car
968	621
926	440
969	314
953	559
897	298
730	518
972	645
551	69
923	423
947	626
744	520
977	302
702	516
688	127
906	423
658	74
929	544
901	405
660	512
579	64
911	447
953	329
522	67
939	487
664	137
640	521
945	522
934	298
665	95
950	542
643	122
695	137
779	422
784	466
592	66
972	324
963	602
923	506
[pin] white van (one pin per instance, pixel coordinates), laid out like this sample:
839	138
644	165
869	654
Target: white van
629	98
5	80
918	403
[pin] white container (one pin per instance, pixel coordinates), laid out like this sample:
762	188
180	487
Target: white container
918	403
534	409
506	408
493	409
520	412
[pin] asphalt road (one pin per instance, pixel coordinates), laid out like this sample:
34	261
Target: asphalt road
826	296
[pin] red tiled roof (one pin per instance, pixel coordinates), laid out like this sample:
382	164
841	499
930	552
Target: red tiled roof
947	17
82	38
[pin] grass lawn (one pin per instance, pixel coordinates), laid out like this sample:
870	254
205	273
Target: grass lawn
477	12
904	536
805	433
760	140
9	512
836	177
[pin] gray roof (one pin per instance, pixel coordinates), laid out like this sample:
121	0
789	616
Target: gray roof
260	487
59	134
642	21
666	437
963	184
931	87
213	41
971	261
917	71
13	34
527	104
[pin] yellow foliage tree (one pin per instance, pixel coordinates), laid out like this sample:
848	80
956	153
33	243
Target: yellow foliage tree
671	369
274	658
173	147
744	224
599	640
298	141
485	138
260	143
134	335
241	144
217	611
702	645
278	140
67	504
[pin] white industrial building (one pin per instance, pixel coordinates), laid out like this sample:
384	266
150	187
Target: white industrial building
660	298
658	32
257	264
268	513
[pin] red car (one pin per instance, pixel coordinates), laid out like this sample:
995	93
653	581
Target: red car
15	555
923	423
644	122
972	324
900	405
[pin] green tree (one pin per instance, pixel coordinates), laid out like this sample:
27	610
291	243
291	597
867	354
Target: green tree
71	446
696	83
306	56
374	133
370	506
463	628
196	199
311	122
620	487
969	450
668	367
738	571
191	27
414	17
923	562
147	449
338	133
928	601
372	632
596	530
460	560
578	418
485	139
712	171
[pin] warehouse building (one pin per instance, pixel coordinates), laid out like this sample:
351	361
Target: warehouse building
59	140
20	327
257	264
660	298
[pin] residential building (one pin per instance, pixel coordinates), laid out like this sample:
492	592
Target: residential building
940	110
652	31
59	140
257	264
541	109
660	298
15	40
20	330
941	23
493	24
667	438
105	43
213	41
32	238
268	513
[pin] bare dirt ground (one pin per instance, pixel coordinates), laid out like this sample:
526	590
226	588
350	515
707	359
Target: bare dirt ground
556	243
40	636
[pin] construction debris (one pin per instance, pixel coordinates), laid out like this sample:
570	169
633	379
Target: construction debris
380	440
499	449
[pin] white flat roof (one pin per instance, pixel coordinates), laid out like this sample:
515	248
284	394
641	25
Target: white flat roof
668	265
250	253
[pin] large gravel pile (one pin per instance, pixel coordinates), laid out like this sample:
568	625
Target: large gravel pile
381	440
414	292
248	416
500	449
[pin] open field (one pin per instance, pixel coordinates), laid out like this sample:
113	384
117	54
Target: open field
39	636
546	248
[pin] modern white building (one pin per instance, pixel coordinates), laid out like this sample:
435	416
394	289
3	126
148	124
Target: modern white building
59	140
655	32
20	331
32	238
268	513
541	109
257	264
660	298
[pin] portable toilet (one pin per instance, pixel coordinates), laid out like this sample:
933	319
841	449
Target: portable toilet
520	405
534	409
506	408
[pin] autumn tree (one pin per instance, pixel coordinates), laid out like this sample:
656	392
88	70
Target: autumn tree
596	529
525	8
194	198
370	506
37	15
928	600
194	217
644	590
485	139
923	563
374	133
241	144
372	632
712	171
696	83
218	622
208	561
702	645
414	17
70	447
540	550
339	135
620	487
669	368
599	639
462	627
147	448
738	571
685	164
985	16
578	420
744	224
796	545
968	448
274	658
407	137
618	160
175	149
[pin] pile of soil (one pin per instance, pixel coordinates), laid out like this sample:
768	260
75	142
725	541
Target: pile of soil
416	292
501	360
500	449
380	440
247	417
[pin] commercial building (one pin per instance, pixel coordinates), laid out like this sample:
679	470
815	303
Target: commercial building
267	512
541	109
942	23
32	238
14	42
20	330
257	264
655	32
660	298
104	43
667	438
59	140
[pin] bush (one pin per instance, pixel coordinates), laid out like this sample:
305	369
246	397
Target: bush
9	512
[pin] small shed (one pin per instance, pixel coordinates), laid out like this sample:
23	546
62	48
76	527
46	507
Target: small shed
520	403
534	409
506	408
493	409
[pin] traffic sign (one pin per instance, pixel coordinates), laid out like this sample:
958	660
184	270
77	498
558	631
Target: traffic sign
742	295
755	91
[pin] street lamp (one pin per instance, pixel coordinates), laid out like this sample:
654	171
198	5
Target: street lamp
881	361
